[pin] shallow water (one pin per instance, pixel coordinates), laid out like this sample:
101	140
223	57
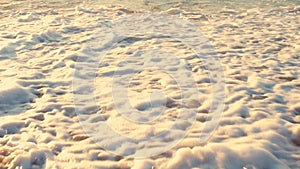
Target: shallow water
152	5
208	4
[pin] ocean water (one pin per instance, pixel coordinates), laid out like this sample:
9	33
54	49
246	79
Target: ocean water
208	4
152	5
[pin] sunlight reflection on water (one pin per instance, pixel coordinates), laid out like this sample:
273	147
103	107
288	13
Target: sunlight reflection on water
157	5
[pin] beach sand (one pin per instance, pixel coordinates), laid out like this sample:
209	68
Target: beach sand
48	115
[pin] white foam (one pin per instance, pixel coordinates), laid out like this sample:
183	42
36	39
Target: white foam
40	51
